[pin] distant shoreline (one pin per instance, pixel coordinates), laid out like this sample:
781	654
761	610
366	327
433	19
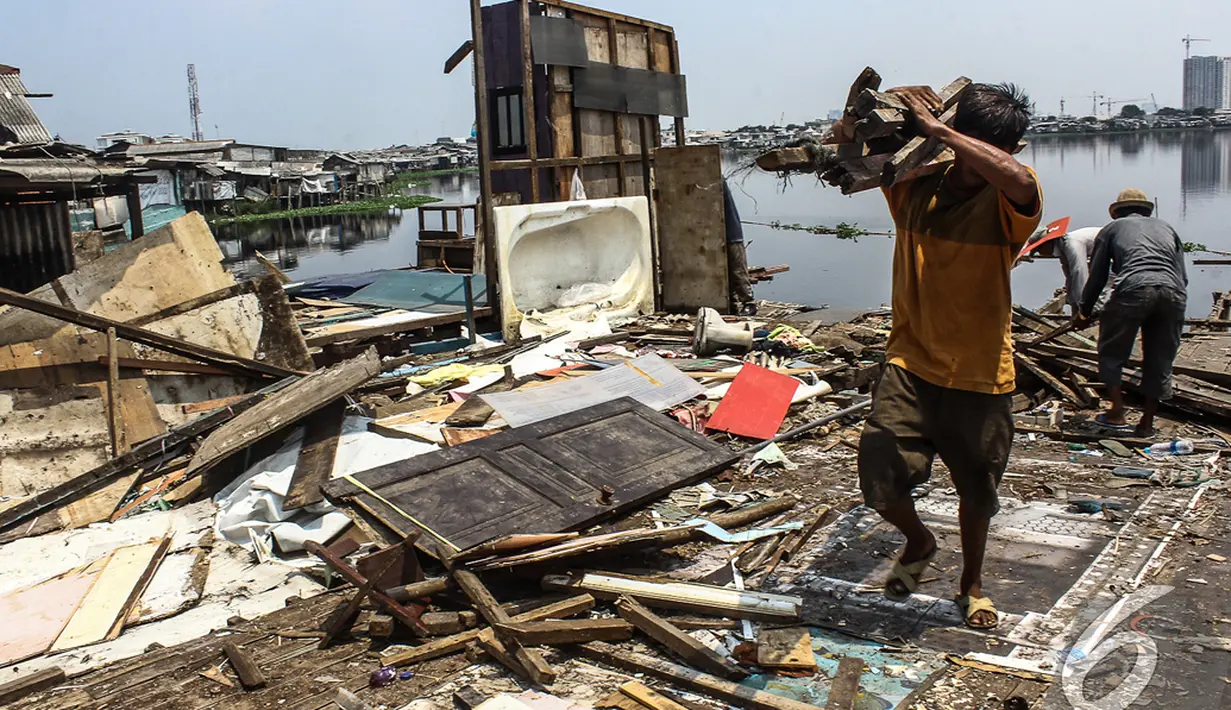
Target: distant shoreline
1176	129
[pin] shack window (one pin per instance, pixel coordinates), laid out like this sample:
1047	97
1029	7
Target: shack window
510	134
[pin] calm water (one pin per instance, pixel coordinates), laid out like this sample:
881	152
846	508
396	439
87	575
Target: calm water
1189	173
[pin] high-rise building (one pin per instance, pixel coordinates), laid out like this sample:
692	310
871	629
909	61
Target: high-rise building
1203	82
1226	83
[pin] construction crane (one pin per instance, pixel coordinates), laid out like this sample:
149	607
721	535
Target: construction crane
1188	44
1094	99
194	103
1109	103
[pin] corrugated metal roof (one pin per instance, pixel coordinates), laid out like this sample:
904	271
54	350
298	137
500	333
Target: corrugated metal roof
52	171
16	114
185	147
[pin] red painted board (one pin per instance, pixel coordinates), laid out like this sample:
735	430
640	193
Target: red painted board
1055	230
756	403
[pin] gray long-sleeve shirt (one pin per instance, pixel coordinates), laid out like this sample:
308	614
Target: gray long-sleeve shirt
1141	251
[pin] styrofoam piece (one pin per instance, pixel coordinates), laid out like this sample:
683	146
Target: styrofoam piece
547	250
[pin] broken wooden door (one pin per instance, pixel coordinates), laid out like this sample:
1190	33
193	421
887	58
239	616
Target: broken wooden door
559	474
692	239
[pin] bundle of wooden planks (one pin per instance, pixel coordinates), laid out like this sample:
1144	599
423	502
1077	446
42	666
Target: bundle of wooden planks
875	144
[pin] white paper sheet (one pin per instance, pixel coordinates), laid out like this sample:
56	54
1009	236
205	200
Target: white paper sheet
650	380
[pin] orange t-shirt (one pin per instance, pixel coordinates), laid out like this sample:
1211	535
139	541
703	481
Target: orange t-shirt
952	306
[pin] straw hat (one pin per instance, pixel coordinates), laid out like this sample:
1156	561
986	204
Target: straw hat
1130	198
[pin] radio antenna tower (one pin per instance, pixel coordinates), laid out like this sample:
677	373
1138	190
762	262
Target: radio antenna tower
194	103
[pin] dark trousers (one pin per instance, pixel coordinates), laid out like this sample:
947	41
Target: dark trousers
740	284
1158	312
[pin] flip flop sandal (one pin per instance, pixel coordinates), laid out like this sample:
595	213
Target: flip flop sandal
1101	420
909	575
973	605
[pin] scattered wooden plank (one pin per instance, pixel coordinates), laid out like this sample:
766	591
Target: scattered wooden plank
647	697
387	326
111	598
845	687
497	649
786	649
419	590
212	404
231	363
555	632
581	546
297	400
316	456
512	543
1065	392
445	623
168	481
454	644
244	665
686	647
688	596
15	690
689	679
455	437
137	589
536	667
380	626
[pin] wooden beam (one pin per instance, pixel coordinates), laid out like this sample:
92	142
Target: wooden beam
316	456
566	162
689	679
114	427
408	616
453	644
595	12
459	55
193	304
844	689
702	598
648	698
484	138
529	117
15	690
681	644
555	632
246	367
504	655
532	661
133	363
419	590
244	665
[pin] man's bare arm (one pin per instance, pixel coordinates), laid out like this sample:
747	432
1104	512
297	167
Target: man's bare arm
996	166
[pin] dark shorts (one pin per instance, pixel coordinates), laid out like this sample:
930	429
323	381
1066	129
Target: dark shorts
1156	311
913	421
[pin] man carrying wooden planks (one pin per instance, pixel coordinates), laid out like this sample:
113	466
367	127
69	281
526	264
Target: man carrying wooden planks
949	375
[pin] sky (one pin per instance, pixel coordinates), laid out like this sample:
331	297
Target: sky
368	73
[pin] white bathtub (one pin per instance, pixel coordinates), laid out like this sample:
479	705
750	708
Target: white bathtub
544	250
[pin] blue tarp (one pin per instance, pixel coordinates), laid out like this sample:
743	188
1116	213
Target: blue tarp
430	291
335	287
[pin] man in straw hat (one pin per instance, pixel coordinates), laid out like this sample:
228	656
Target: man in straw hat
1150	295
948	378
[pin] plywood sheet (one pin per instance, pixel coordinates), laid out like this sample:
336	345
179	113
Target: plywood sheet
556	475
789	649
692	243
111	597
168	266
32	618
